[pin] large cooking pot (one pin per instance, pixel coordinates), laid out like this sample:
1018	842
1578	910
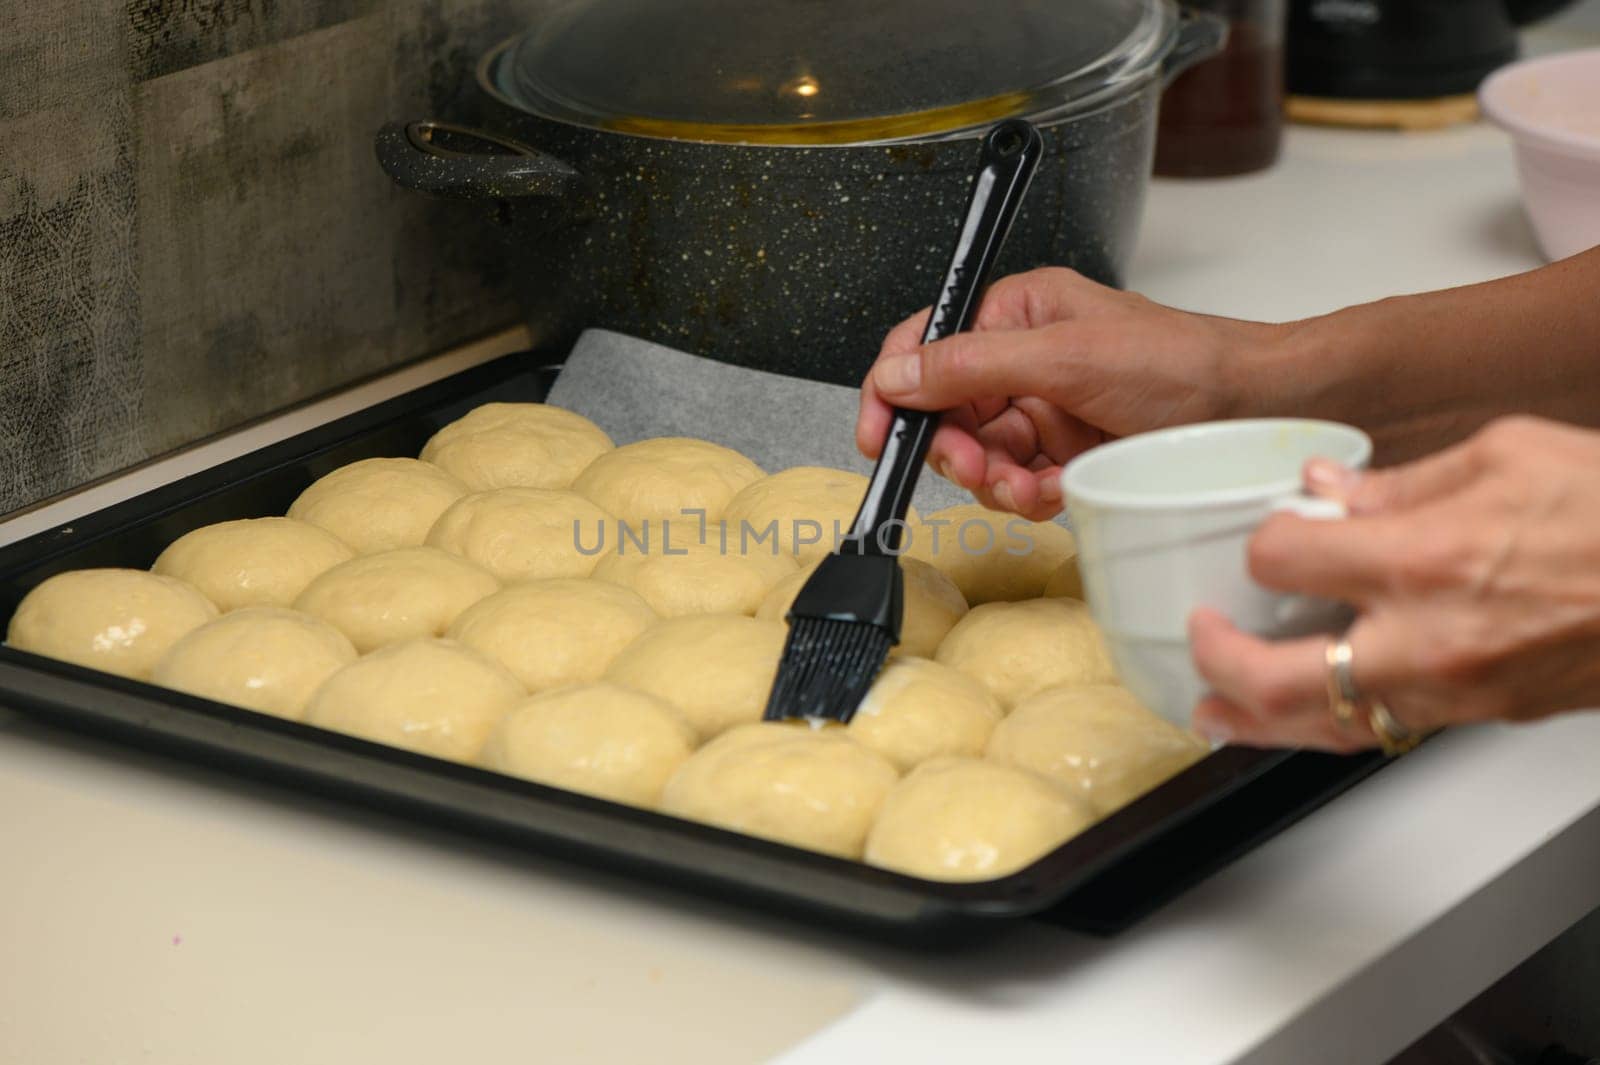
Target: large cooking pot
773	183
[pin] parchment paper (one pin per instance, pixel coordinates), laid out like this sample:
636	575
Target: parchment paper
634	389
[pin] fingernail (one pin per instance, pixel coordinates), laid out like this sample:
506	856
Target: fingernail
1213	732
1327	478
1003	496
947	473
900	373
1198	618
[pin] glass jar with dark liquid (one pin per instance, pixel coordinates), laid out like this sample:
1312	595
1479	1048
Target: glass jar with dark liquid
1225	115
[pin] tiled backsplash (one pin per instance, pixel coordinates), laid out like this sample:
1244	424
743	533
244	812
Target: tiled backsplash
193	230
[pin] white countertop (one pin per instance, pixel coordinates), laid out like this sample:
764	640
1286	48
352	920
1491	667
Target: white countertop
155	913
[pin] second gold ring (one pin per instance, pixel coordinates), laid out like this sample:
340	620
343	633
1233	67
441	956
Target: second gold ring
1342	694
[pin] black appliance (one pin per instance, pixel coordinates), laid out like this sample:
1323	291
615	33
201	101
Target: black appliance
1402	49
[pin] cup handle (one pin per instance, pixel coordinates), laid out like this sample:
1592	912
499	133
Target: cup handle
1301	615
1315	508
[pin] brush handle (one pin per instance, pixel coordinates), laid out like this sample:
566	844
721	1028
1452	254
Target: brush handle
1011	152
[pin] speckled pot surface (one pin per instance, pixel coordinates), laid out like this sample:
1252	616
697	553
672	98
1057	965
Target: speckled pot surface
791	259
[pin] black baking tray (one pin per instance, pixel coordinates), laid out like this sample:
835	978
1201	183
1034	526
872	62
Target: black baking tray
1099	881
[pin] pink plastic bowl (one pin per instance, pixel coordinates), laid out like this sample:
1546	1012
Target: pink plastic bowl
1551	108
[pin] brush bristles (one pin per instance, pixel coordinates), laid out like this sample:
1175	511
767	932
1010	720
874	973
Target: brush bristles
827	668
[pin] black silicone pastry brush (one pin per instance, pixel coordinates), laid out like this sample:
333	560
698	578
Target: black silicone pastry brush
847	616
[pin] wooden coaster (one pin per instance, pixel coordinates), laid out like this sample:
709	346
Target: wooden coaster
1435	113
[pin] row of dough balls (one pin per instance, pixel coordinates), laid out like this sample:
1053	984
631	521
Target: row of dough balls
528	491
932	777
392	549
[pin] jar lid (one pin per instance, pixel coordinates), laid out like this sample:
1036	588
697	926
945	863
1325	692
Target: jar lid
827	71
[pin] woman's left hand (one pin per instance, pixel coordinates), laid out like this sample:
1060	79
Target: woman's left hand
1475	575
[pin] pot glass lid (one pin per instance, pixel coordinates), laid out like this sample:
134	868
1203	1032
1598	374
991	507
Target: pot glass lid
826	71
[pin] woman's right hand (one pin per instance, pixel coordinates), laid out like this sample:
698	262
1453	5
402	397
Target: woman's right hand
1475	576
1055	364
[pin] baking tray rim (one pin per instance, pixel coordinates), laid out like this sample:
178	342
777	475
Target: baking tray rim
1016	894
1024	892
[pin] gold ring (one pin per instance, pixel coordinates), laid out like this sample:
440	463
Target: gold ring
1342	695
1394	737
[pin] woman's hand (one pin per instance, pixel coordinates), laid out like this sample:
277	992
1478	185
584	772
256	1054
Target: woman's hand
1476	577
1054	365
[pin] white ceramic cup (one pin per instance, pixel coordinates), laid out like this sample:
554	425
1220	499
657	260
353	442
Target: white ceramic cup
1163	520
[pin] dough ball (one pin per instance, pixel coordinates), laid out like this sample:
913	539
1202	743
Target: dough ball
992	556
933	604
807	508
681	574
379	504
115	620
600	739
262	658
1017	649
664	477
919	710
717	669
554	633
431	696
1097	741
967	819
1065	582
252	562
510	445
395	595
811	788
524	534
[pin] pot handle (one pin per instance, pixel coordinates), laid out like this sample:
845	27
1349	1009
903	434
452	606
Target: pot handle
466	164
1201	35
